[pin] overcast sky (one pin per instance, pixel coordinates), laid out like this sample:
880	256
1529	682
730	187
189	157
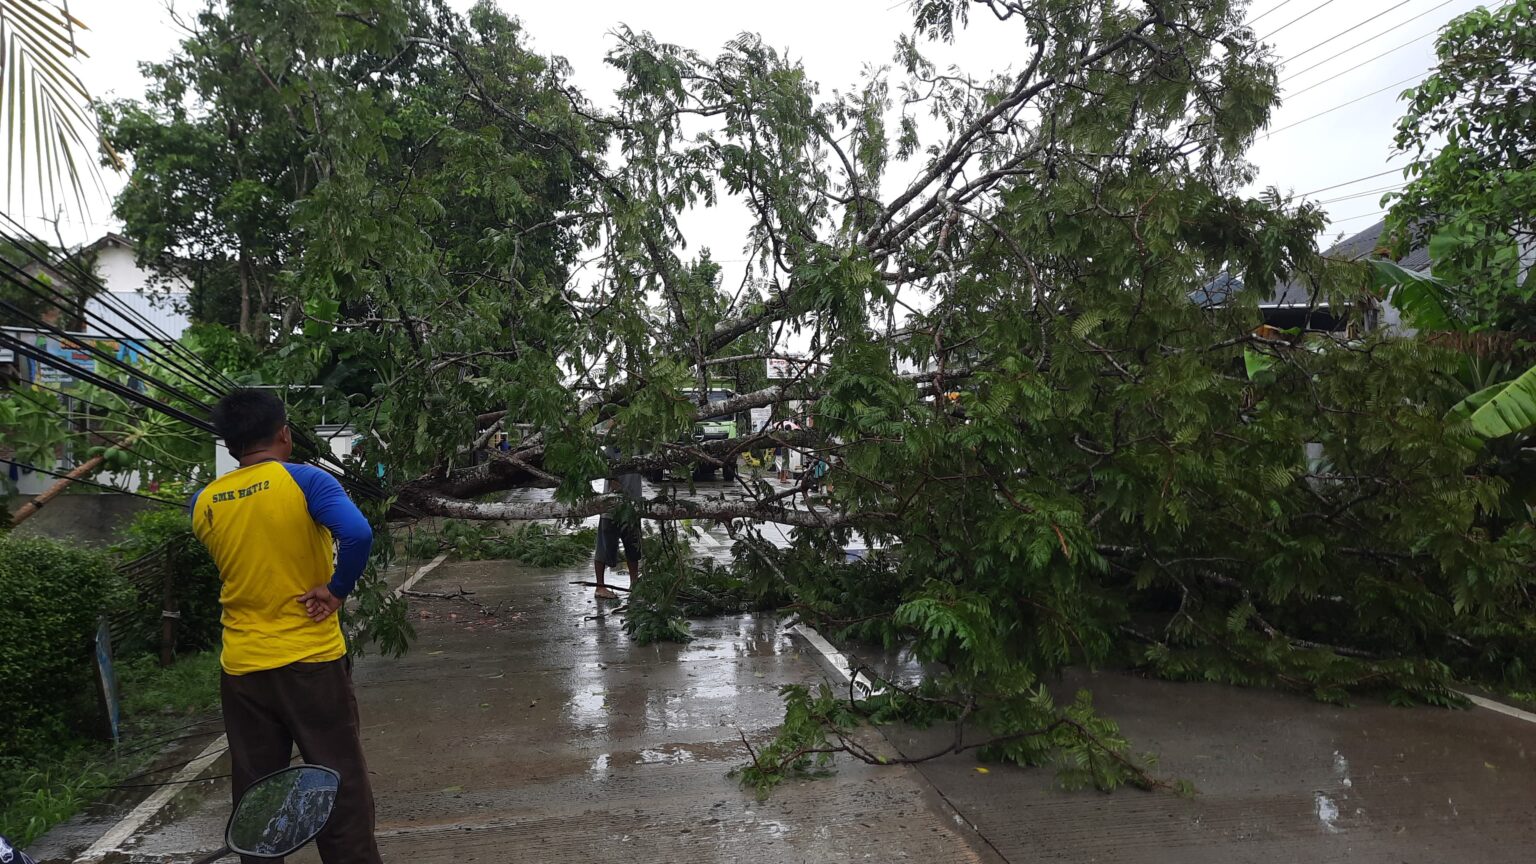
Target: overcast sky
835	38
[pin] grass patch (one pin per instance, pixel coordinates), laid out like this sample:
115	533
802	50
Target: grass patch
152	696
40	790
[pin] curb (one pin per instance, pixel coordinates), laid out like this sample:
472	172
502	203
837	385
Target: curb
129	825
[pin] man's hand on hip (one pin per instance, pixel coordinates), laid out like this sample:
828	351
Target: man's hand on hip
320	603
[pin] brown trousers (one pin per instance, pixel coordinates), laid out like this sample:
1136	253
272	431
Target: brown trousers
311	705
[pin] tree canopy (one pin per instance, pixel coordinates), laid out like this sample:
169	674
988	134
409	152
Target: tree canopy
1471	127
1125	474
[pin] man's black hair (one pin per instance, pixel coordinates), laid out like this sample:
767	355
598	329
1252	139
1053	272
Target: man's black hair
248	418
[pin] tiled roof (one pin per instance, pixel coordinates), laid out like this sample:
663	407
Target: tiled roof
1297	293
1356	247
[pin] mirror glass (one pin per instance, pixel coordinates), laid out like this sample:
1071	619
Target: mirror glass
283	811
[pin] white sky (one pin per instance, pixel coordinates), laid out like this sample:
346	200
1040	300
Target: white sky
835	38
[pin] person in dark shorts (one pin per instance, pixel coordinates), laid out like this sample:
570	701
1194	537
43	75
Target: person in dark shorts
615	528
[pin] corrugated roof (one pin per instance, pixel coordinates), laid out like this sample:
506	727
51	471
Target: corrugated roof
139	316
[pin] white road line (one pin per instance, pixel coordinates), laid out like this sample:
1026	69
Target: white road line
416	577
124	830
1501	708
837	661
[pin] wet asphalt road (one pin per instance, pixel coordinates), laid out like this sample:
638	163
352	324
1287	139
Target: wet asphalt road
1278	779
541	734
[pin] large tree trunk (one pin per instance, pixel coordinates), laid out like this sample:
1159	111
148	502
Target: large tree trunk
245	294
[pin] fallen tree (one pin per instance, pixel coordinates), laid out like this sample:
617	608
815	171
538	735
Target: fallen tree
1114	467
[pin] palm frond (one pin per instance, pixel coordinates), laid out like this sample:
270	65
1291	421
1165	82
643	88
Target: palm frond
51	136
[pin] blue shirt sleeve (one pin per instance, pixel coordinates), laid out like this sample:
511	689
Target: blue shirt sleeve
330	506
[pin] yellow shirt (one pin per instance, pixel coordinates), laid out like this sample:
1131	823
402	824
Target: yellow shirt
266	526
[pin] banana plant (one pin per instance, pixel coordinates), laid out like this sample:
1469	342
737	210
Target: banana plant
1498	418
1504	407
1426	302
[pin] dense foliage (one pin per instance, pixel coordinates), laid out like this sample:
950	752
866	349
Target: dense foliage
536	545
55	594
1471	128
1077	463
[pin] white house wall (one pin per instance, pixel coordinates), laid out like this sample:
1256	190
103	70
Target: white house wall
119	272
162	305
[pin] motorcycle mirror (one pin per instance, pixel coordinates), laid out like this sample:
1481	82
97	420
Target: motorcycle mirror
282	811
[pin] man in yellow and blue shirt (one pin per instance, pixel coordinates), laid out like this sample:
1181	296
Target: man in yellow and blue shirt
290	545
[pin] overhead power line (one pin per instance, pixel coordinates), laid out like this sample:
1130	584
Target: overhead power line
108	441
171	353
1336	75
72	268
1399	5
106	411
1272	10
1366	194
106	486
1300	17
1352	182
1364	42
1361	216
88	347
195	374
1341	106
42	356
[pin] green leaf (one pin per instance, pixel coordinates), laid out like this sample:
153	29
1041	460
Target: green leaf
1444	243
1086	324
1256	363
1424	300
1503	409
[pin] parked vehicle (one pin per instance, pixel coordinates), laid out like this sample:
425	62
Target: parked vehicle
714	429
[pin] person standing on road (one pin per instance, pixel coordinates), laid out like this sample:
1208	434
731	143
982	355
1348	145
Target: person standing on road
781	452
287	679
612	528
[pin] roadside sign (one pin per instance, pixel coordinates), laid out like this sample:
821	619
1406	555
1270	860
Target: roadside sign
783	368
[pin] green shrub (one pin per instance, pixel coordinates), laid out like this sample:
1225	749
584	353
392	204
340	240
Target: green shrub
53	594
196	578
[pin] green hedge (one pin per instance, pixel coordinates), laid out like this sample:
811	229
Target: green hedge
51	596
